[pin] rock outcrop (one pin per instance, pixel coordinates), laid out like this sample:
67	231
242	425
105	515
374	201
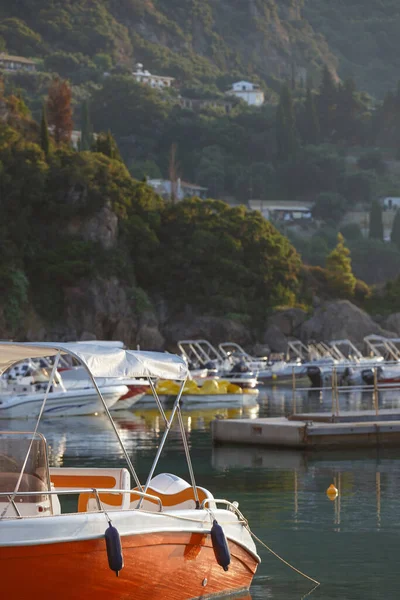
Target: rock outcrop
393	323
338	320
275	339
214	329
102	227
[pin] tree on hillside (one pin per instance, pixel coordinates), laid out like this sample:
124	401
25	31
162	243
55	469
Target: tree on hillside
44	133
327	101
86	128
286	134
311	129
173	172
106	144
59	111
339	272
347	110
395	235
375	221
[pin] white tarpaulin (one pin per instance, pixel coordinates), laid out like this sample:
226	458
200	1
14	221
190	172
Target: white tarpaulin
101	359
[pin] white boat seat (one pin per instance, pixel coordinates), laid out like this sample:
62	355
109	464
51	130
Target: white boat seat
70	478
174	492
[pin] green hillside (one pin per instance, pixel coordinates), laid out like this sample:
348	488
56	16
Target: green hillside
211	41
193	40
364	36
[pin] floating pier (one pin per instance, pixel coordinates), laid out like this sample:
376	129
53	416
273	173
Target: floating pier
350	429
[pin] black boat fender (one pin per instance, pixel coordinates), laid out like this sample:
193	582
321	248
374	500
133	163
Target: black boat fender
220	545
114	549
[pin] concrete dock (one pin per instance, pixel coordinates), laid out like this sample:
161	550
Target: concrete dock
313	430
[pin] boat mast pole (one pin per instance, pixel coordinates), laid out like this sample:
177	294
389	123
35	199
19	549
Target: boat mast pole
127	458
162	443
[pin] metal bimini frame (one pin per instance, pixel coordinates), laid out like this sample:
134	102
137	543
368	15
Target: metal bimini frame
168	424
380	346
351	351
228	348
200	350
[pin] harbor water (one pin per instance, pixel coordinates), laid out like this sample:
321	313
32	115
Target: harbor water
351	545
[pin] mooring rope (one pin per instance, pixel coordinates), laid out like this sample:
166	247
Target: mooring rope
285	562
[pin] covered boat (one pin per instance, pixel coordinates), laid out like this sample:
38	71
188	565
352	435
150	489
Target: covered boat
165	538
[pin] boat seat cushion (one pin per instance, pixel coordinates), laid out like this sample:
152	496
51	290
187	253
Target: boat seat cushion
174	492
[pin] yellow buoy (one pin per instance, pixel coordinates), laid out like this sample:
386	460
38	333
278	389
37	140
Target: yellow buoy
332	492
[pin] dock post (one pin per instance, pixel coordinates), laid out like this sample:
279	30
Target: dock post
337	395
293	391
376	398
333	390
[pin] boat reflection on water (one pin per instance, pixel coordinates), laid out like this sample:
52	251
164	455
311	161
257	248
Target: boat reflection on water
195	416
93	436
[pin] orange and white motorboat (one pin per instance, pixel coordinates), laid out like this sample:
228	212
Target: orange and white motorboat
67	532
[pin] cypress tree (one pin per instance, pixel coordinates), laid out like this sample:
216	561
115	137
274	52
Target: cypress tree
44	133
341	279
395	235
86	128
375	221
311	133
327	101
286	135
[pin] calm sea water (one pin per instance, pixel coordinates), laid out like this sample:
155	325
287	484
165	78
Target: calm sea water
351	545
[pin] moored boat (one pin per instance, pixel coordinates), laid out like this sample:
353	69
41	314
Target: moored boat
60	403
166	539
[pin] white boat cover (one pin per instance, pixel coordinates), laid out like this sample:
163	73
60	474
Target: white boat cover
101	359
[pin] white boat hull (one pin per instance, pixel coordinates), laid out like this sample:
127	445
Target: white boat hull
59	404
128	403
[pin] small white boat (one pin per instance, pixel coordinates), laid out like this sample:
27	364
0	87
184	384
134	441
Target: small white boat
59	403
77	378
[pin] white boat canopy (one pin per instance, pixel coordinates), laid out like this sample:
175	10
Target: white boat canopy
102	360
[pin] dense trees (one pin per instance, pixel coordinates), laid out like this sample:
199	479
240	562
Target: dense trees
231	261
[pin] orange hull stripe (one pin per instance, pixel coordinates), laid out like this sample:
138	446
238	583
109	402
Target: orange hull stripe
83	481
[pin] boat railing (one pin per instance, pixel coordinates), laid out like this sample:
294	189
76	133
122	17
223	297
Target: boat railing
232	506
77	491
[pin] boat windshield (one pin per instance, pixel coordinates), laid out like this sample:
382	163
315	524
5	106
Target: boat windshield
13	450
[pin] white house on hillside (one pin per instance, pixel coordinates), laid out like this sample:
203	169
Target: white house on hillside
16	63
154	81
247	91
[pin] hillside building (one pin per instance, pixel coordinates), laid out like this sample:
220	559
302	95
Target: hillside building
199	103
251	93
16	63
182	189
281	210
154	81
390	203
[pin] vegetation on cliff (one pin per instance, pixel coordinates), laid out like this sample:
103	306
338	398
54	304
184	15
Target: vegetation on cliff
205	255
